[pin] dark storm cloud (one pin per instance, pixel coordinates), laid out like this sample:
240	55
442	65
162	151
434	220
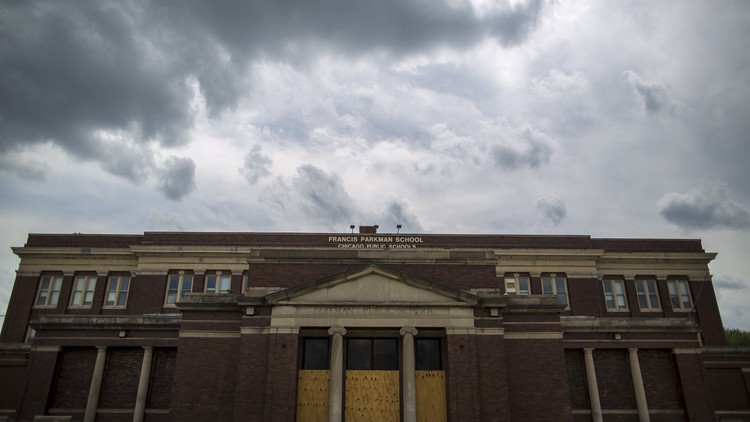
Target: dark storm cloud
535	150
397	213
72	70
177	178
552	208
704	208
255	165
97	76
323	195
729	283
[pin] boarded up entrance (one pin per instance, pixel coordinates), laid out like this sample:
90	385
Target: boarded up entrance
312	395
372	396
431	406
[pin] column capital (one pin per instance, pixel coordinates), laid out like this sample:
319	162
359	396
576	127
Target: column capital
633	349
588	350
101	347
148	347
337	329
408	330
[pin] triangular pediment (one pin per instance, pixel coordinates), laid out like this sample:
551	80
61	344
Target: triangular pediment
372	284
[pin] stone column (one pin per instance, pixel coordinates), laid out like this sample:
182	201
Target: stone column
409	375
143	384
336	382
596	405
640	392
96	384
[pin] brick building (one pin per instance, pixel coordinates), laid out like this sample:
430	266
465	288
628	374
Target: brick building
366	326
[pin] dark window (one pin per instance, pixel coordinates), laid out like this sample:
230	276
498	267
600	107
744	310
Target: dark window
428	354
315	353
372	354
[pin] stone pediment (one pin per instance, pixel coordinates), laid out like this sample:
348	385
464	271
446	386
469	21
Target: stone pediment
372	284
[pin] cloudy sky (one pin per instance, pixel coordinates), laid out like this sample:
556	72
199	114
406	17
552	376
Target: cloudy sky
613	119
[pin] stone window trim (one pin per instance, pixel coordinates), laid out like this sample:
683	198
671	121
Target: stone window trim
118	290
679	295
218	282
517	284
179	284
82	292
551	284
48	292
647	294
615	296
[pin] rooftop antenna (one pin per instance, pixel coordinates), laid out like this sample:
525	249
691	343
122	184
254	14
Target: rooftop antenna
398	228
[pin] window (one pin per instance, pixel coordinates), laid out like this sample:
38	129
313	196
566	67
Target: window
428	356
49	291
244	281
679	295
178	286
516	284
218	282
614	295
555	285
83	290
315	353
372	354
648	296
117	291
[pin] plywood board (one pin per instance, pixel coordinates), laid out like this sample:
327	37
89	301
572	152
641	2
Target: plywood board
312	395
431	396
372	396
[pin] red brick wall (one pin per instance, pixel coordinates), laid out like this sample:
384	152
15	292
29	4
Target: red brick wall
14	377
162	374
73	378
121	375
659	379
462	378
579	393
21	301
537	374
613	379
694	388
281	379
493	378
204	378
252	373
456	276
585	296
147	294
41	372
728	389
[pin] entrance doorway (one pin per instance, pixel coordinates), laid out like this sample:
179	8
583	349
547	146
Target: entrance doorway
372	379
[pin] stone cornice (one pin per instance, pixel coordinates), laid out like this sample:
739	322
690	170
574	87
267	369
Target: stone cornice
598	324
108	322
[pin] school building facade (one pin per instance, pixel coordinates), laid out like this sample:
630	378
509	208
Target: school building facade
366	326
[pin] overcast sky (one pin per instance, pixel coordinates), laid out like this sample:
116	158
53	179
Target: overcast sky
613	119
